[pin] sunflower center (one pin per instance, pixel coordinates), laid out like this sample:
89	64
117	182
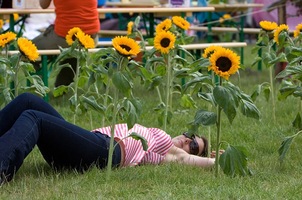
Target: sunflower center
74	37
127	48
224	64
165	42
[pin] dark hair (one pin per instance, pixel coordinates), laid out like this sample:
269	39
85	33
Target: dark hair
205	152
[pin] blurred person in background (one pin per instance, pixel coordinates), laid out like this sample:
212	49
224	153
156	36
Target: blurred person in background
69	14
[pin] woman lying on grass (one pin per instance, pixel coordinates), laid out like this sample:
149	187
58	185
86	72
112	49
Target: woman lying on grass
28	121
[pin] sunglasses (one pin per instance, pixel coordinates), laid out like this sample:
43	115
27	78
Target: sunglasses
194	147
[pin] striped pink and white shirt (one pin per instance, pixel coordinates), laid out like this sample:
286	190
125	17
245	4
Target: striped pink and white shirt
159	143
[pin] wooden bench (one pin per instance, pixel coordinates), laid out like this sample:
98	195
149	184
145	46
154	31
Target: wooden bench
226	29
111	33
229	29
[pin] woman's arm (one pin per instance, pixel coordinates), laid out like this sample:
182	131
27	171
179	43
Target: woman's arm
45	3
180	156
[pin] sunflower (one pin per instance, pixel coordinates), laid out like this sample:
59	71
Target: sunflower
225	17
126	46
181	22
224	62
130	27
164	25
210	50
71	35
28	49
6	38
164	41
268	26
16	16
85	40
1	23
279	29
298	30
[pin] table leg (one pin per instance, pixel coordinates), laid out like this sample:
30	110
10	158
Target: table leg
241	36
209	36
44	73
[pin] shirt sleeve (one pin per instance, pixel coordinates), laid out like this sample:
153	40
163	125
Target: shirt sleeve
152	158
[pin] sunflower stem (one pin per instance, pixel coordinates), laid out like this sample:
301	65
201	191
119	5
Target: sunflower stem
115	110
76	81
106	99
218	124
111	148
16	83
168	85
271	71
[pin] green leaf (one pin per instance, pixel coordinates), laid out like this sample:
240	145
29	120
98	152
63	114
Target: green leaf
234	161
286	91
297	123
207	97
265	88
91	101
205	118
59	91
133	108
162	115
199	79
249	109
187	101
144	142
283	149
226	101
121	82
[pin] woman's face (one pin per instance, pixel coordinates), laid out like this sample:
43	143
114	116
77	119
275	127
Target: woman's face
183	142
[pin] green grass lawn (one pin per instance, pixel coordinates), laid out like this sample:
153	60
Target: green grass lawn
36	180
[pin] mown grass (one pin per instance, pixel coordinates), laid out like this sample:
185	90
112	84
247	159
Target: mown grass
36	180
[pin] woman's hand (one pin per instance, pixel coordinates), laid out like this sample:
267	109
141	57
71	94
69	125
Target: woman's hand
213	153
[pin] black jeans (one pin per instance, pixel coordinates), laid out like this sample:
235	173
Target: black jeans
28	121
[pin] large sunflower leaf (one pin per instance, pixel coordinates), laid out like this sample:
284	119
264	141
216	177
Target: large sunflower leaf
137	136
121	82
205	118
249	109
297	123
285	145
234	161
286	91
226	101
207	97
92	102
133	110
199	79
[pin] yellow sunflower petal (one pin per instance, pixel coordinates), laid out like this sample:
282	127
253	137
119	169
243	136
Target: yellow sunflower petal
268	26
85	40
7	38
71	35
279	29
298	30
130	27
1	23
164	25
126	46
164	41
28	49
181	22
210	50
